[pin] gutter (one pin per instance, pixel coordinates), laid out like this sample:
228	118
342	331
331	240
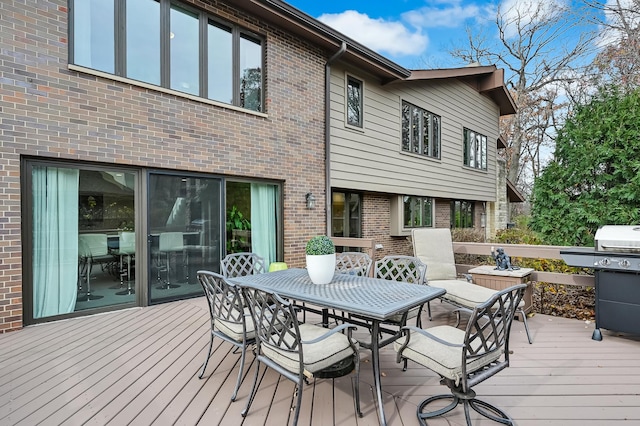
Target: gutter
327	133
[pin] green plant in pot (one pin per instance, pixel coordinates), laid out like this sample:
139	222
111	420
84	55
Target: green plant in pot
321	259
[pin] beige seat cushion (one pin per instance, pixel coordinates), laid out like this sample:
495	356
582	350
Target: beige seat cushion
444	360
317	356
464	293
433	246
234	330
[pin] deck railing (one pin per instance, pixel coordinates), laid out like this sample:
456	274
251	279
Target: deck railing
484	249
527	251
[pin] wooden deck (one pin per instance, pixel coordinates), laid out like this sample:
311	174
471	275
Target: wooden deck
140	366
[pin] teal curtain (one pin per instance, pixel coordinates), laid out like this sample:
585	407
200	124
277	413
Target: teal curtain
263	221
55	240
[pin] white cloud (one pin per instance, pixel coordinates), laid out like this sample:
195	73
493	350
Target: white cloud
450	16
524	13
609	33
391	37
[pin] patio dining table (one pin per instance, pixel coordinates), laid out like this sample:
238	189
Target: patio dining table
370	299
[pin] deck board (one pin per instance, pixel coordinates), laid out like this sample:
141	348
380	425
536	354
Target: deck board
139	367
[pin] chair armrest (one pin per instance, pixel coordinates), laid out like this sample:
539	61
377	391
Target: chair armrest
431	336
332	331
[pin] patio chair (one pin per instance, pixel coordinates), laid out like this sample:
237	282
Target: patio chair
465	358
169	244
402	268
229	318
297	351
92	249
434	247
126	249
354	263
241	264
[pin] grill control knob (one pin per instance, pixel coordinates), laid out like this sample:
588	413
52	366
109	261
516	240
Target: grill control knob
604	262
624	263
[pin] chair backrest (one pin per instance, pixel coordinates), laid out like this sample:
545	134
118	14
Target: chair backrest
277	328
401	268
127	242
353	262
93	245
433	246
224	300
487	333
171	241
241	264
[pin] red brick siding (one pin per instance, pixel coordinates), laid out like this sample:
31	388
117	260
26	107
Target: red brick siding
49	111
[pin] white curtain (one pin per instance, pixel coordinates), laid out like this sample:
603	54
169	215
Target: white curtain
263	221
55	240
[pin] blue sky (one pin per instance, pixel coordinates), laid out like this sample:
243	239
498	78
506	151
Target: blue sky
413	33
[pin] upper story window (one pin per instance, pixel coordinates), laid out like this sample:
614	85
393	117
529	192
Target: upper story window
462	214
417	212
163	43
354	102
475	149
420	131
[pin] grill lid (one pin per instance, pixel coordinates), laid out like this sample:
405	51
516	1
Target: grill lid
620	238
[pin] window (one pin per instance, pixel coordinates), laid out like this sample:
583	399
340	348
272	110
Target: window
160	42
462	214
345	215
354	102
420	131
417	212
475	150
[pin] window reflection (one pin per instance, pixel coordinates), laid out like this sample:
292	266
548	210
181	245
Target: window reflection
94	38
220	64
143	40
250	74
185	51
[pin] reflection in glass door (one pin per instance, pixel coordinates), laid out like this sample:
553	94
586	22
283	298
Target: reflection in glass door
78	218
184	233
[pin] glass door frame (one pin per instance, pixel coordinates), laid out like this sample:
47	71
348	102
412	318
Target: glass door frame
27	229
151	280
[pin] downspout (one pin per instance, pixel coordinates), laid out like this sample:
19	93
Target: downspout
327	132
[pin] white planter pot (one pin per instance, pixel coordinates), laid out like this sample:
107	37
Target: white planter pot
321	268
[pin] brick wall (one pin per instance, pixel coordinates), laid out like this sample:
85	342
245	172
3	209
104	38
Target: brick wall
49	111
376	210
443	213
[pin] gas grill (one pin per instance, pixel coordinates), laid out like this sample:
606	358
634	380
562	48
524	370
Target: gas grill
616	262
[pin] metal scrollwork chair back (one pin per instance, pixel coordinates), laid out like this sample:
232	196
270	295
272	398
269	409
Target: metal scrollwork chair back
230	319
464	358
242	264
353	262
297	351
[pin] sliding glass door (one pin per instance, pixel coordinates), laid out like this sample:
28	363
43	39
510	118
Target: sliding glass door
91	244
184	227
77	217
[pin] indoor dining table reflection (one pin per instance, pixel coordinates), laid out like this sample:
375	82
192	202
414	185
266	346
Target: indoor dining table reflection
371	299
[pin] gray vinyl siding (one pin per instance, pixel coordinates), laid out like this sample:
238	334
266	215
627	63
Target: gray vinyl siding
371	159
